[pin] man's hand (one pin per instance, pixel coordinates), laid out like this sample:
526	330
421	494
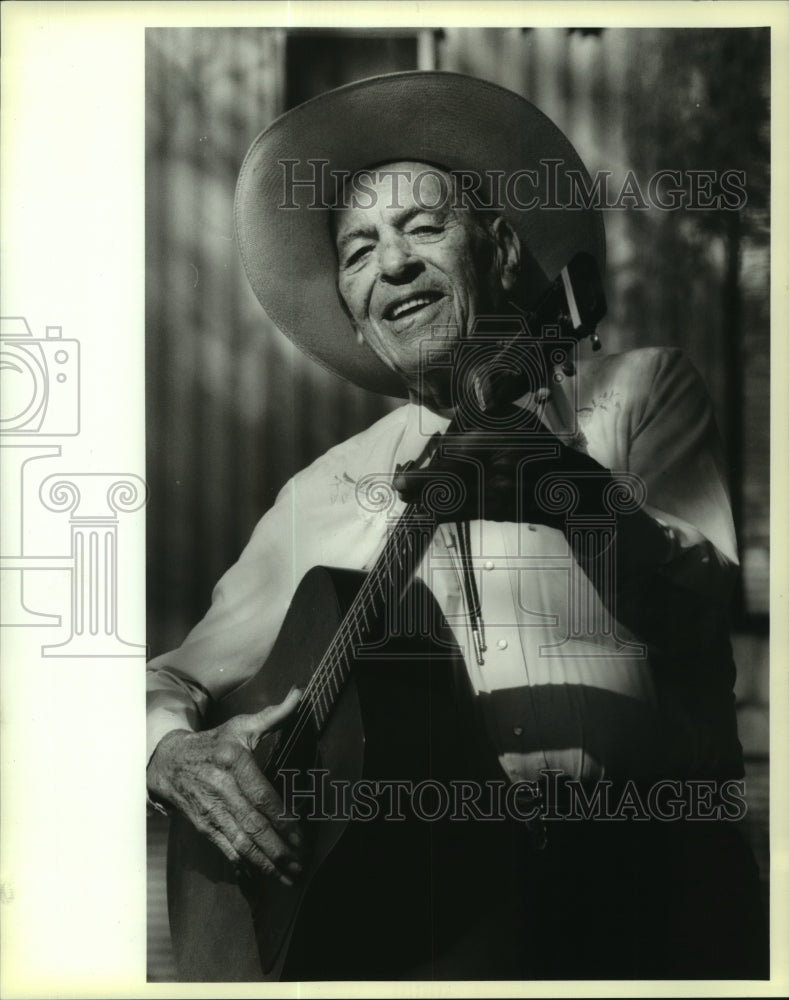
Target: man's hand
497	480
212	778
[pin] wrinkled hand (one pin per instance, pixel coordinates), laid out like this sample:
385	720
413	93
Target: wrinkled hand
212	778
481	477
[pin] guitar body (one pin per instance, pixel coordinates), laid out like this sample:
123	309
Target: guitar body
381	886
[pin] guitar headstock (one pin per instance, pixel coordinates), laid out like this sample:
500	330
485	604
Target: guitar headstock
575	302
544	339
506	356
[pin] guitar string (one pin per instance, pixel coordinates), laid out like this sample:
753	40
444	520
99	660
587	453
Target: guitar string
398	548
332	665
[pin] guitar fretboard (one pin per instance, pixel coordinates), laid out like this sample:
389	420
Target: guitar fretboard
379	597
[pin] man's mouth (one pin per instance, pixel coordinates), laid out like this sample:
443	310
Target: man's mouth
410	305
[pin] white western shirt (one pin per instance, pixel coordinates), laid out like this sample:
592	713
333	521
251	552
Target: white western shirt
563	684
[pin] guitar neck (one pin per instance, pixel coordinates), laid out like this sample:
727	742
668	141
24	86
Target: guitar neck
379	596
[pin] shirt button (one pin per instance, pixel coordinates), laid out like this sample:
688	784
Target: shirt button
518	730
489	564
502	644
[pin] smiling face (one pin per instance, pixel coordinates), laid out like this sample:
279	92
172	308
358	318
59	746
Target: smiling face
408	272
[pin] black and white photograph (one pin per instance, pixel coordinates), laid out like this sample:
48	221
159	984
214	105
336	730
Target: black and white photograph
447	546
513	345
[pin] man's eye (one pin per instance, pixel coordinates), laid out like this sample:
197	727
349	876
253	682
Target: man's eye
425	230
357	255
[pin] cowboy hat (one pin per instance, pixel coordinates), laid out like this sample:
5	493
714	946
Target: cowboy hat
293	171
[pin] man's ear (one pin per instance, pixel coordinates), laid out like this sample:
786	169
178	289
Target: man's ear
508	252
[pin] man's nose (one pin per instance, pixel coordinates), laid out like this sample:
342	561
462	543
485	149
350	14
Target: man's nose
398	265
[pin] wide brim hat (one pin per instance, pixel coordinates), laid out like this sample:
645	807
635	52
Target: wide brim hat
446	119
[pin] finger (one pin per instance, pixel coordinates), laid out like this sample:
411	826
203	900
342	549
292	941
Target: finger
201	810
259	844
238	781
263	798
411	484
230	780
251	727
240	847
217	838
409	495
239	798
402	483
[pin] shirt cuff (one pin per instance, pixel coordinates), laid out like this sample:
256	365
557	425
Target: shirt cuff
152	807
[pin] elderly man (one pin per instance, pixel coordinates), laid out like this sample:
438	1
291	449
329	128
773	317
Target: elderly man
387	228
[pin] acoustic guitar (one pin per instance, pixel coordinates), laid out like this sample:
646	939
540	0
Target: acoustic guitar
386	705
